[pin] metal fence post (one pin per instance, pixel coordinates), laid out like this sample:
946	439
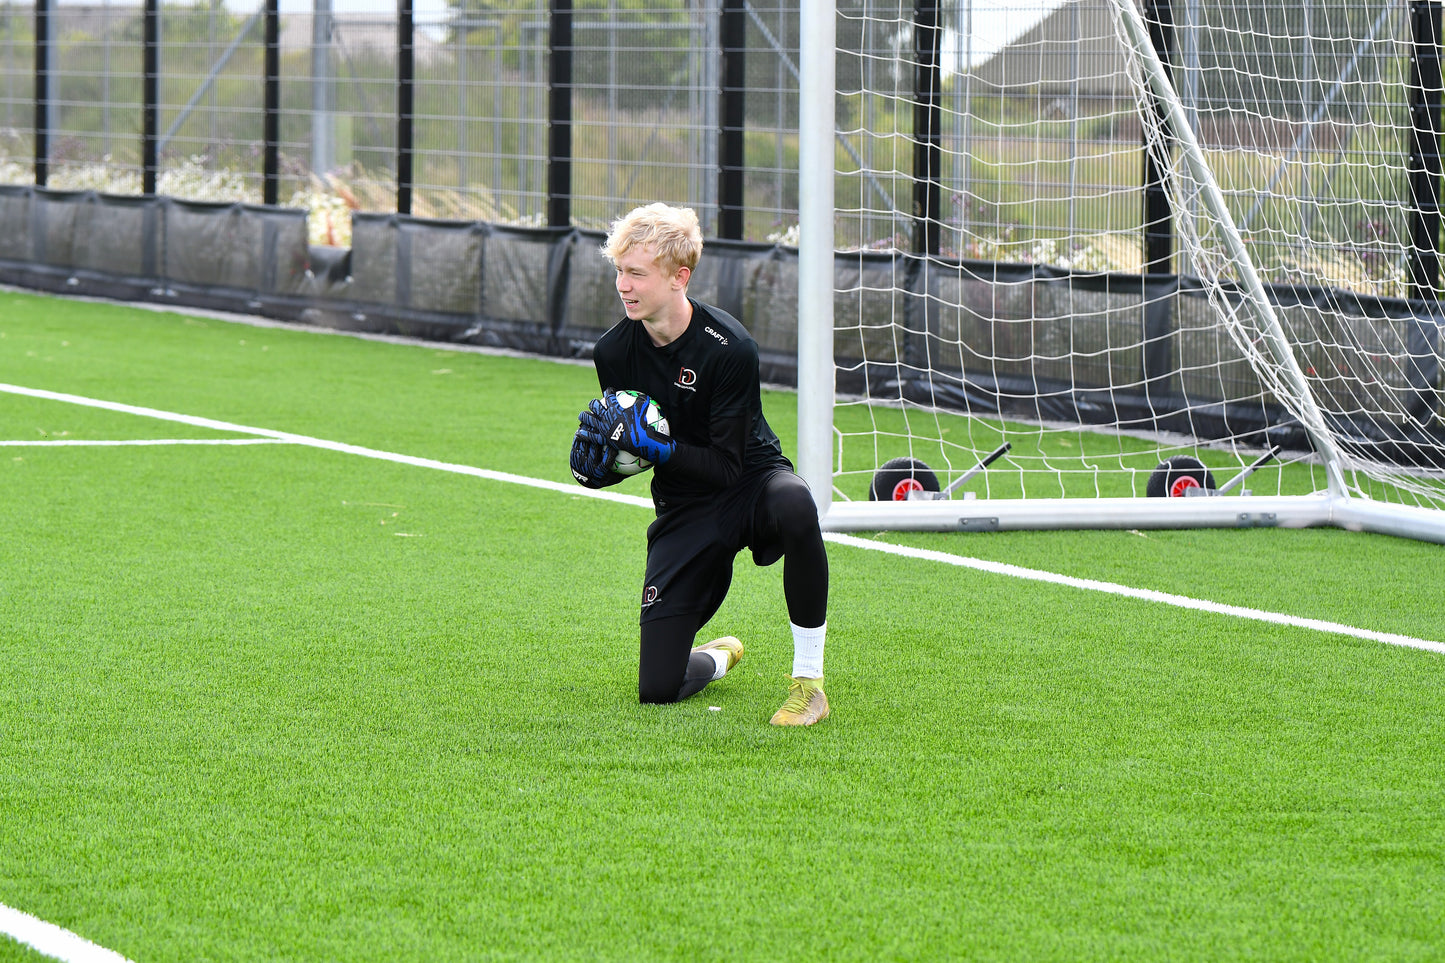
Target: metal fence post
1158	215
405	92
323	97
271	108
559	115
732	112
44	36
927	129
150	96
1424	164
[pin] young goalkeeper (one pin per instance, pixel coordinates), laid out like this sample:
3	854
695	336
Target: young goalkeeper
720	482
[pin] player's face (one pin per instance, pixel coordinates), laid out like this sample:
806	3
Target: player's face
647	290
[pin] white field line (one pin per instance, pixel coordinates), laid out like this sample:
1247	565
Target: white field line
51	940
136	442
286	436
996	568
1148	595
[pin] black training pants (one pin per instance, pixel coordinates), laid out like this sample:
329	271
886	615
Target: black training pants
690	552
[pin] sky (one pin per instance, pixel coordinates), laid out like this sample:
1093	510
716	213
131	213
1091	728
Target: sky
995	22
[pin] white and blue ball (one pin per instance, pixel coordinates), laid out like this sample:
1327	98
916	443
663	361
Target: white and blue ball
626	463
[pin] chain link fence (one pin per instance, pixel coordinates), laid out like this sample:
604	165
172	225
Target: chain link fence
643	98
555	113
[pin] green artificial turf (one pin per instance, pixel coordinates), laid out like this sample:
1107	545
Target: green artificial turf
272	702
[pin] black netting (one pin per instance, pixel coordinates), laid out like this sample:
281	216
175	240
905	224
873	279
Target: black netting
15	207
242	246
1027	340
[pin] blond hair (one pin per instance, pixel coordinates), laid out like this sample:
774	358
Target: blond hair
672	232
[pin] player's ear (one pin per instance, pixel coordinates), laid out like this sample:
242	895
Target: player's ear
683	275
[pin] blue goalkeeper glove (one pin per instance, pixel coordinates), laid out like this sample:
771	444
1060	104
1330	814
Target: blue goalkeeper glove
594	418
591	459
626	429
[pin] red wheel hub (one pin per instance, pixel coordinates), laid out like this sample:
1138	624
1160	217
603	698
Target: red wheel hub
1182	485
901	490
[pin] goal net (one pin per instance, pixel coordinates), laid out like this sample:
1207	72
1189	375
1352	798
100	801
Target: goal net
1098	265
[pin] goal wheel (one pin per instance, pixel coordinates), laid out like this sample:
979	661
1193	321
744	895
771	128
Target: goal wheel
899	476
1175	476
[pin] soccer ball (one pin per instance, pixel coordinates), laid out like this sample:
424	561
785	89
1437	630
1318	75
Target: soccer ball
626	463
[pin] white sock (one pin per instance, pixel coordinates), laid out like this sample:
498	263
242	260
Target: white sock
719	656
808	651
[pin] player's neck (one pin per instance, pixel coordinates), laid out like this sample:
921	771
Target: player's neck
667	326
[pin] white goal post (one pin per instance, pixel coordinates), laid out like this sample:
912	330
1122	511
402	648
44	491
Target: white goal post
1050	278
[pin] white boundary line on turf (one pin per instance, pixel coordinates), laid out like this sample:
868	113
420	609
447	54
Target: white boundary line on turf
1147	595
286	436
53	941
137	442
996	568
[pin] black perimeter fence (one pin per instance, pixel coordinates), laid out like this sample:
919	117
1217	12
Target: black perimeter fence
549	291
